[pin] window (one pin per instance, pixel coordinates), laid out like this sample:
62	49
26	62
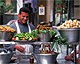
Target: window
14	4
17	4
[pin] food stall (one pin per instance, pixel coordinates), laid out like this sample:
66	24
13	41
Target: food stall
40	48
39	41
42	44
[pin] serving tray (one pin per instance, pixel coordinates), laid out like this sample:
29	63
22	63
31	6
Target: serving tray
23	41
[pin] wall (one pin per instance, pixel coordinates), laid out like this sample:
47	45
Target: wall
8	17
77	9
41	18
49	7
48	4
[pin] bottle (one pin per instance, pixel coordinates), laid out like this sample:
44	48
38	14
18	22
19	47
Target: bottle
31	60
63	12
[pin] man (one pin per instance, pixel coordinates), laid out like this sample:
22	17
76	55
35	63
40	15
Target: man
23	25
71	57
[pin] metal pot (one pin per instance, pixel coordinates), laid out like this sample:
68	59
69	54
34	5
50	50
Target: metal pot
5	58
45	37
6	35
46	58
72	35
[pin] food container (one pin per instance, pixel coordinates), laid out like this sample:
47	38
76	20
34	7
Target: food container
6	35
5	58
45	37
46	58
72	35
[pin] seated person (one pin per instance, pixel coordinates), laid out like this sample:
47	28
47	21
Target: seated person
71	57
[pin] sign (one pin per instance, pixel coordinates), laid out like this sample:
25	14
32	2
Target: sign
41	10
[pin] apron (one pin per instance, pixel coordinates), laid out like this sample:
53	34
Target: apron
28	47
18	29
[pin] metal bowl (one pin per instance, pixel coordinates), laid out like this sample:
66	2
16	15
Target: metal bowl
46	58
45	37
6	35
5	58
72	35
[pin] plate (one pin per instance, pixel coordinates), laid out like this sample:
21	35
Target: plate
23	41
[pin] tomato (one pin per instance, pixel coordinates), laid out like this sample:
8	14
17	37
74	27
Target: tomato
39	52
55	52
23	38
50	52
47	51
13	38
34	39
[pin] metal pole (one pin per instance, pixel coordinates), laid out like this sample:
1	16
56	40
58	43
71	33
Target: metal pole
53	23
75	60
68	9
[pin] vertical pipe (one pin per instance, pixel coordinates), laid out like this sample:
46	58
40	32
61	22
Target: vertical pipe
53	23
72	9
62	10
68	9
75	60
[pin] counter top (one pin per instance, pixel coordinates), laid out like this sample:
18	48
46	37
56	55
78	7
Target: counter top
59	61
7	42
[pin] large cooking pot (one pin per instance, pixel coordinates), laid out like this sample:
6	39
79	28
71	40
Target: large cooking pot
72	35
5	57
46	58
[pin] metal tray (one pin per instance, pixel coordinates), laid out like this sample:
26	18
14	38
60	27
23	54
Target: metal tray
23	41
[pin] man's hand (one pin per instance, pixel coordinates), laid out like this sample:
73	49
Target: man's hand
68	58
20	48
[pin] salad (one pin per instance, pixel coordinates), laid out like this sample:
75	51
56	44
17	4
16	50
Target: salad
26	36
46	52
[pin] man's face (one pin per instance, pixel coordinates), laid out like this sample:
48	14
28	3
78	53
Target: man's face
23	17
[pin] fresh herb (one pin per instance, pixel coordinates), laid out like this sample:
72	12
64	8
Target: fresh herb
58	41
51	32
